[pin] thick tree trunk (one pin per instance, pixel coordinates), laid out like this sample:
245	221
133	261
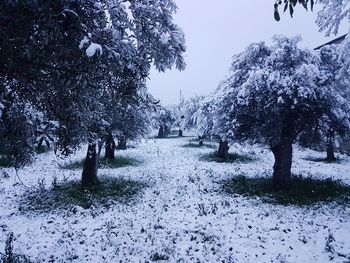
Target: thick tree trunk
161	132
201	143
180	133
109	147
89	176
223	150
330	147
330	153
166	130
282	175
122	143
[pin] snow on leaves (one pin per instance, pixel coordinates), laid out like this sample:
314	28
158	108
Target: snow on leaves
103	53
272	87
94	49
332	14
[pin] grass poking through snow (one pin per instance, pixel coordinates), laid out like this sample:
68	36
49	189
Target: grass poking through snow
42	149
232	158
169	137
119	161
6	162
106	192
303	191
73	165
321	160
197	145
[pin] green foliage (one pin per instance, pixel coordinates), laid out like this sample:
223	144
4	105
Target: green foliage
232	158
105	193
97	62
41	149
6	162
117	162
302	191
274	94
16	128
291	4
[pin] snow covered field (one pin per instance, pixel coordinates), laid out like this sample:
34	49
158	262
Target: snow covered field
182	216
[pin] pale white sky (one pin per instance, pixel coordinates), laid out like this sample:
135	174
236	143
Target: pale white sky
215	31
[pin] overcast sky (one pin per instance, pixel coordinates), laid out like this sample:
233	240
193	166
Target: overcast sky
215	31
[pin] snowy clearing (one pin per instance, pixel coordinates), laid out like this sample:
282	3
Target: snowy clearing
180	216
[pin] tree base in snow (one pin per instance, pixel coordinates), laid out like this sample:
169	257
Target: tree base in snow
223	150
121	144
301	191
330	154
89	175
282	175
110	147
161	132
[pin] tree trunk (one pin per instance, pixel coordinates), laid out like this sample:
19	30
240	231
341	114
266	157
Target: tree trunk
122	143
89	176
201	143
180	133
161	132
282	175
330	153
223	150
166	131
109	147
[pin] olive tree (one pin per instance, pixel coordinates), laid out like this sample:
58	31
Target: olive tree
69	57
273	94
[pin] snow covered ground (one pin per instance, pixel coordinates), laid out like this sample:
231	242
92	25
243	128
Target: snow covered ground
181	216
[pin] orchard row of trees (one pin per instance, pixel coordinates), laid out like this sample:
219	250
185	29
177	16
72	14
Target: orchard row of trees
75	71
278	95
179	116
282	94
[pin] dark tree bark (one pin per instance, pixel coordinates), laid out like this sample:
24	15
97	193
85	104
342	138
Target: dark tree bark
223	150
330	153
89	176
109	147
166	131
161	132
121	143
283	153
180	133
201	143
